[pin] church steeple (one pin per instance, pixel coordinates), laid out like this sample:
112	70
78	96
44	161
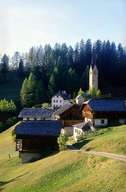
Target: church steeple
93	74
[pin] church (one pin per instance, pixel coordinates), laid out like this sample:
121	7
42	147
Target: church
102	111
93	75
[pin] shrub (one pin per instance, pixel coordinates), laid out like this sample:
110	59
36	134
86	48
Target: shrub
62	140
7	106
11	121
5	125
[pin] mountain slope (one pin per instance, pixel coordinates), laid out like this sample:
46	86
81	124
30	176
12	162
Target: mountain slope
61	172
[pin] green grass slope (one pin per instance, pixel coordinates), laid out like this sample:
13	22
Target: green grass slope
62	172
111	140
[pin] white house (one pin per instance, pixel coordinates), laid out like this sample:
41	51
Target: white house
80	129
60	99
79	99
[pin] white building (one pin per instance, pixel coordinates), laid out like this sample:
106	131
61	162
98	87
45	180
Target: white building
79	130
79	99
60	99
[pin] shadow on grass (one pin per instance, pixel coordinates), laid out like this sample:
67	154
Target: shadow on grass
3	183
81	143
44	154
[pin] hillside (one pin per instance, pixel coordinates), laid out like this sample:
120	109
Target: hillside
111	140
65	171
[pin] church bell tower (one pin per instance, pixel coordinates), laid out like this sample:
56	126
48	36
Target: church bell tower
93	76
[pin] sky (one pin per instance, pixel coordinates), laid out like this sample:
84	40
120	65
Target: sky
27	23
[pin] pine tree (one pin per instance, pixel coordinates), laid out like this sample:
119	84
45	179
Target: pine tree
84	81
32	91
54	81
72	82
21	69
80	92
24	92
4	67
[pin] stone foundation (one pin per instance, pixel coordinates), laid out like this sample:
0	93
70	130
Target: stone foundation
29	157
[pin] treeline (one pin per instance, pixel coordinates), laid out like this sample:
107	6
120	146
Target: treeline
66	68
7	114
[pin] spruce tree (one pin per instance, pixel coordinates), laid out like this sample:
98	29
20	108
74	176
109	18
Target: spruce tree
32	91
21	69
4	67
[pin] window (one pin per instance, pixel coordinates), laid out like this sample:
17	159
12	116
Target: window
102	121
54	100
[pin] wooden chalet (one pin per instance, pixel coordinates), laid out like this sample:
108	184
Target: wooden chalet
104	112
34	137
69	114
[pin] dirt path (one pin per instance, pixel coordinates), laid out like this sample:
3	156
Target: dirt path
103	154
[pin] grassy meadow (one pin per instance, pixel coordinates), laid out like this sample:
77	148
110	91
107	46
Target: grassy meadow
112	139
66	171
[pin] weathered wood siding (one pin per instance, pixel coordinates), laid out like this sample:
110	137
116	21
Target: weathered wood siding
74	113
71	122
36	144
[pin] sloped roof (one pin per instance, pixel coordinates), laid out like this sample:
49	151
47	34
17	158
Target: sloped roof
35	112
39	128
62	109
84	126
118	105
63	94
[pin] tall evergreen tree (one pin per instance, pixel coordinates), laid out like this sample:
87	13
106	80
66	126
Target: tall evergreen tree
21	69
72	81
32	91
4	68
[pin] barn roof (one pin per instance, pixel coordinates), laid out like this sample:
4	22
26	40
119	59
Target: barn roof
39	128
62	109
118	105
35	112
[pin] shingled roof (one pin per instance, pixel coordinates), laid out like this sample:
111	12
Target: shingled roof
84	126
62	94
39	128
62	109
118	105
36	112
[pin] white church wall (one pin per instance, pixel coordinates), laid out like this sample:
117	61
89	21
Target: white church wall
93	77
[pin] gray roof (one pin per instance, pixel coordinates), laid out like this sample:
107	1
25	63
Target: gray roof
84	126
79	125
36	112
63	94
39	128
62	109
118	105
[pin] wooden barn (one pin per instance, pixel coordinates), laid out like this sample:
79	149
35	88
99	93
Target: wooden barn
69	115
104	112
34	137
